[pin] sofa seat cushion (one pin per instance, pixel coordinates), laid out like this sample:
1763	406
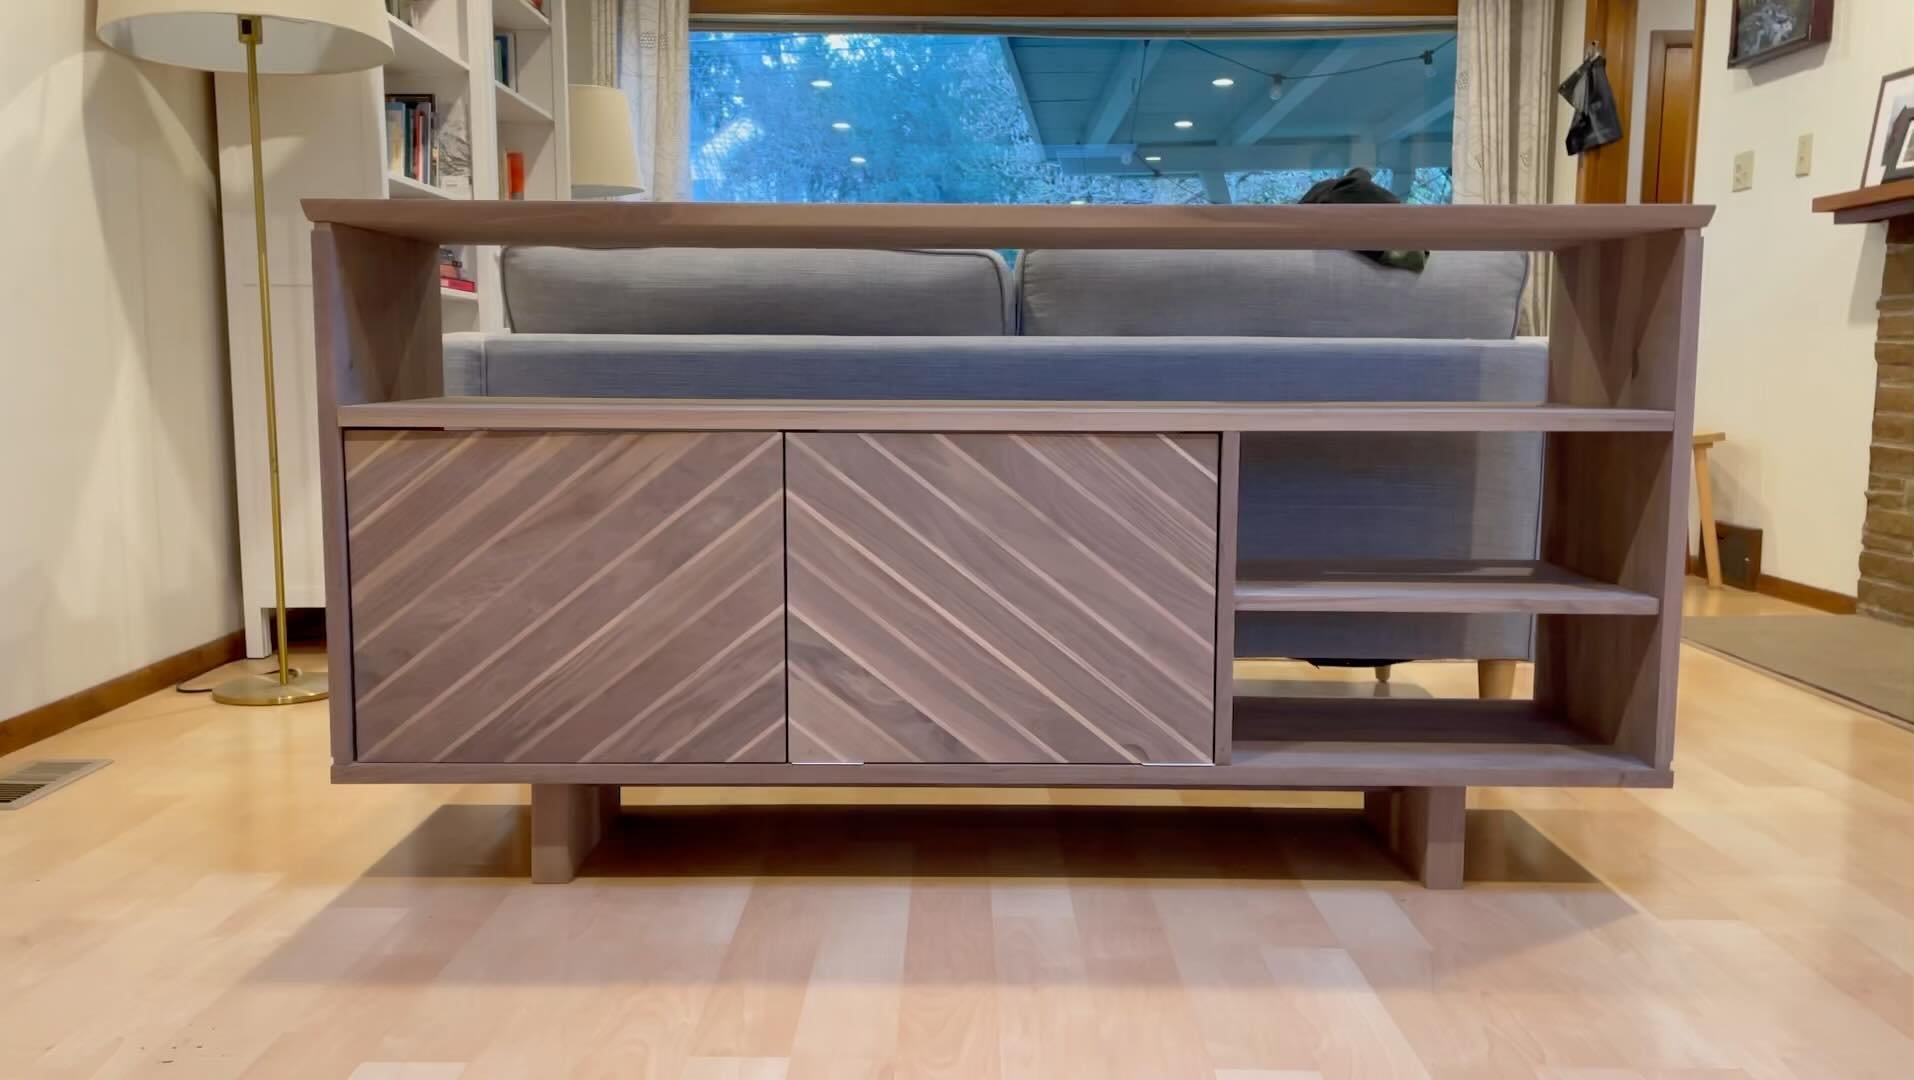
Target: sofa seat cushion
1462	294
984	368
756	291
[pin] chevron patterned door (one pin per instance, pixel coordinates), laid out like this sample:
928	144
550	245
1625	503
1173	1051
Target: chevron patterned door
566	596
1001	598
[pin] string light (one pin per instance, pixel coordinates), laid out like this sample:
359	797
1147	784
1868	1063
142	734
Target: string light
821	84
1223	80
1427	58
1275	88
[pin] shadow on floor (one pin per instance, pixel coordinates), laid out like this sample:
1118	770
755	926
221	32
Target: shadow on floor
1159	843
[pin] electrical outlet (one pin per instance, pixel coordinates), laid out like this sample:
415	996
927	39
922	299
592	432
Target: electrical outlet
1744	170
1804	155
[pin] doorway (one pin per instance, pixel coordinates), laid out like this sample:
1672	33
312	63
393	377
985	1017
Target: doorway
1668	128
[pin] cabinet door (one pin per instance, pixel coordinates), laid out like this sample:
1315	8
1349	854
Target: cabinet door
1001	598
566	596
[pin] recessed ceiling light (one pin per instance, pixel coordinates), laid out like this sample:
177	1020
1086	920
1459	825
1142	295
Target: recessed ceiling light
1153	157
1079	202
840	125
1221	80
1184	124
821	84
857	159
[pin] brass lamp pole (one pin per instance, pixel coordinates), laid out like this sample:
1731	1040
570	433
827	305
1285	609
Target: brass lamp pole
307	37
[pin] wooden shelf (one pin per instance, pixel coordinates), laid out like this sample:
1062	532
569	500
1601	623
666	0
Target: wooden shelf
416	54
1369	742
516	108
871	225
518	15
401	186
1878	203
681	414
1432	585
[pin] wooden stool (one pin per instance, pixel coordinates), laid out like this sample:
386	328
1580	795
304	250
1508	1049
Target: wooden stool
1710	545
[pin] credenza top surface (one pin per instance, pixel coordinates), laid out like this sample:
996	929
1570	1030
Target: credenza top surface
710	414
932	225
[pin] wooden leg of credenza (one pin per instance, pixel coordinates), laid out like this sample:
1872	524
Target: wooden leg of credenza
1495	679
568	820
1423	827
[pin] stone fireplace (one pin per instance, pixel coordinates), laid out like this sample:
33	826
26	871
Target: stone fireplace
1886	589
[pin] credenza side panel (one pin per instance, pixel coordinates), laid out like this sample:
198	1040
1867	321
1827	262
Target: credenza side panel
1002	598
566	597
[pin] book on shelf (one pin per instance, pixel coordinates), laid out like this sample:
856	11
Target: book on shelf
458	284
512	174
411	135
505	59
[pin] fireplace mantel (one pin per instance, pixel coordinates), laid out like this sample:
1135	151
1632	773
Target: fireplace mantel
1862	205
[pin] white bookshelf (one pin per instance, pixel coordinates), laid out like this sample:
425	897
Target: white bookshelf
325	137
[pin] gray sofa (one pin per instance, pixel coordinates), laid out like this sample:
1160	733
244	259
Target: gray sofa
1098	325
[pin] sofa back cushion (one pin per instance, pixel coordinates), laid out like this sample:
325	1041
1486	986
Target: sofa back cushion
551	290
1462	294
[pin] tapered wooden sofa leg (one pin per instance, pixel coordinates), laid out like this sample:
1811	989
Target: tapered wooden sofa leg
568	820
1495	679
1423	827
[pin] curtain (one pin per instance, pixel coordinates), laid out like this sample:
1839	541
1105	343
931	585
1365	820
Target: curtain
1505	117
650	56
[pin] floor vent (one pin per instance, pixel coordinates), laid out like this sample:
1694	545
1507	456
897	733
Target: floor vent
37	778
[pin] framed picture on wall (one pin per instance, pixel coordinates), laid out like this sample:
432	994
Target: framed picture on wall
1883	150
1766	29
1899	159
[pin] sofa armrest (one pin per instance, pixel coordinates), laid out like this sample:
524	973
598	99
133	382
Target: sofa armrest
465	364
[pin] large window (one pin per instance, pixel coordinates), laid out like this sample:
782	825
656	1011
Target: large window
879	117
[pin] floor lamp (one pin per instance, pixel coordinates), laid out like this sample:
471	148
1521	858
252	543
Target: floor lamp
276	37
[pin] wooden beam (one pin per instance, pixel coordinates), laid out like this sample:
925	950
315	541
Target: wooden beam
1414	119
1183	10
1216	187
1133	65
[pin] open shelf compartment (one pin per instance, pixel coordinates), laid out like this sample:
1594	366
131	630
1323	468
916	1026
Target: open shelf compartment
1365	742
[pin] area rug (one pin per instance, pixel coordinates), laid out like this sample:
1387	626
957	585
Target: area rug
1860	659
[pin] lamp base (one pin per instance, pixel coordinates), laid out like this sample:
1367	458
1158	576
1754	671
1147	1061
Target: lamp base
266	689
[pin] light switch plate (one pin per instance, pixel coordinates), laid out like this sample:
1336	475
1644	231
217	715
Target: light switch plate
1744	170
1804	155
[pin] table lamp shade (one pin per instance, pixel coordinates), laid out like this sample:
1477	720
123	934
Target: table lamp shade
604	152
298	37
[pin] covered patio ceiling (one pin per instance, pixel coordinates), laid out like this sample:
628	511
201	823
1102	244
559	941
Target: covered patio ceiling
1113	106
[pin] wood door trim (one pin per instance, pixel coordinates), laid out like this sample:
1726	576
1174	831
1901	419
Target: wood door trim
1659	42
1602	175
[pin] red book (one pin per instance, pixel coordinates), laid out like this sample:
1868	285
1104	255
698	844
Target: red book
459	284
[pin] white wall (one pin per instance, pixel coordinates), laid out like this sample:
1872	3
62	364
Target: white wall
1650	16
1788	297
116	539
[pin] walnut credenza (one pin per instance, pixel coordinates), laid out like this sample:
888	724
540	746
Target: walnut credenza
586	593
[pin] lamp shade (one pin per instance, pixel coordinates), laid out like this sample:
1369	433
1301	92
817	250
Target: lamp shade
297	37
604	150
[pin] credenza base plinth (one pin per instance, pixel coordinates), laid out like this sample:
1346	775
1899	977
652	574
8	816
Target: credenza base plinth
1423	827
568	820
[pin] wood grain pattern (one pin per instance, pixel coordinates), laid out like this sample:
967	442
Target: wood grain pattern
933	225
1432	585
1229	472
1424	827
566	596
189	906
1615	507
691	414
377	331
1863	205
1002	598
568	820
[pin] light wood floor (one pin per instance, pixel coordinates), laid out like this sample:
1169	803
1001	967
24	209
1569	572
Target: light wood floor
209	906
